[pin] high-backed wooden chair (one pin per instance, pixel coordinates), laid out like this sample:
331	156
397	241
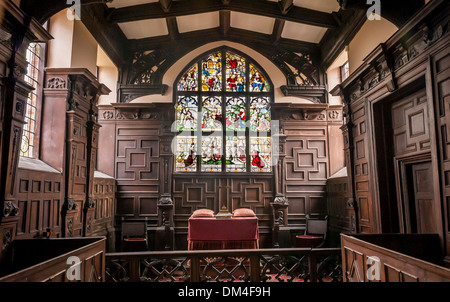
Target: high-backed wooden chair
134	236
315	233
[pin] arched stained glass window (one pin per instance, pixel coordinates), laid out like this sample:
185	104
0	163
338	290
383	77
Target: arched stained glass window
223	115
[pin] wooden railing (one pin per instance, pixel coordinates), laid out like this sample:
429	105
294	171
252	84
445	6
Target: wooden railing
254	265
393	258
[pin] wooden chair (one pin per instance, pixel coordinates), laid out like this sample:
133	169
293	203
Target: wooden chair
134	236
315	233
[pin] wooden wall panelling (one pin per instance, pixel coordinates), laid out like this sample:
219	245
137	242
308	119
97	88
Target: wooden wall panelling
306	159
77	90
40	202
393	70
440	78
104	198
339	213
363	197
305	164
142	159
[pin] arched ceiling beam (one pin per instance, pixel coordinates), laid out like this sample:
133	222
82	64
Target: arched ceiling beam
257	7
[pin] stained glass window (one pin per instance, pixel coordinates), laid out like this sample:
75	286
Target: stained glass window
212	72
235	73
261	155
34	59
236	158
236	114
211	113
223	115
186	153
187	113
257	81
189	81
260	114
211	153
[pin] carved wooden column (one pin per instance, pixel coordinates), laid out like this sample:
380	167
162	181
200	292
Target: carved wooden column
165	232
347	131
76	91
92	149
279	213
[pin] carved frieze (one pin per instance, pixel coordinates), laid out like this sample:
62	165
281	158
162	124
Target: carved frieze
56	83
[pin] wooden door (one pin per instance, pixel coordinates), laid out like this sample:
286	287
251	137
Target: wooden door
420	198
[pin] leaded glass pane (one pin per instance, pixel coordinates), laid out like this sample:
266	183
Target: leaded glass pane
236	154
189	81
211	113
186	160
261	155
257	81
212	73
187	110
236	114
235	73
211	153
260	114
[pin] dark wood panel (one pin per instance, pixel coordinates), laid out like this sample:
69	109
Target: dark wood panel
40	203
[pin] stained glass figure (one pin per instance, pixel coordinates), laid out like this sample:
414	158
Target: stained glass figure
236	114
211	153
211	113
236	154
261	155
257	82
187	111
186	160
212	72
235	73
189	81
260	114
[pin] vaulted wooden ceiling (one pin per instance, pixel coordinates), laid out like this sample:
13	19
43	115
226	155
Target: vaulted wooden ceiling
297	25
285	31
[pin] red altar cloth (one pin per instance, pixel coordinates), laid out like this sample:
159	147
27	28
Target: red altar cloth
211	233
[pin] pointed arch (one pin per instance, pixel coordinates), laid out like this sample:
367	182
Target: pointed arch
222	101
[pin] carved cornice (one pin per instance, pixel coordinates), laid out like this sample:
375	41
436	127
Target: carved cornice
131	92
316	94
137	111
382	65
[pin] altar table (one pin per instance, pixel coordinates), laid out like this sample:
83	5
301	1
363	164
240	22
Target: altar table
209	233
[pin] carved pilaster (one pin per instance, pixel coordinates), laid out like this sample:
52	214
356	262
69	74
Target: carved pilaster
279	216
165	231
77	91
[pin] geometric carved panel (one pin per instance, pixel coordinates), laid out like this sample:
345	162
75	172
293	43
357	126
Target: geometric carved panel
410	124
307	161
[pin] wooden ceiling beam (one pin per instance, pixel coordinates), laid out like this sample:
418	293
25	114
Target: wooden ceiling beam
257	7
197	38
285	5
225	17
172	27
277	31
165	5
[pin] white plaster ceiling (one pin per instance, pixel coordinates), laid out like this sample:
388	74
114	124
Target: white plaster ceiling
250	22
198	22
145	28
303	32
257	23
326	6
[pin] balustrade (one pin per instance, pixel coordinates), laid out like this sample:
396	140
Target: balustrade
260	265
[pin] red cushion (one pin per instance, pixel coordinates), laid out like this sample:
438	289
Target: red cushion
203	213
243	212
